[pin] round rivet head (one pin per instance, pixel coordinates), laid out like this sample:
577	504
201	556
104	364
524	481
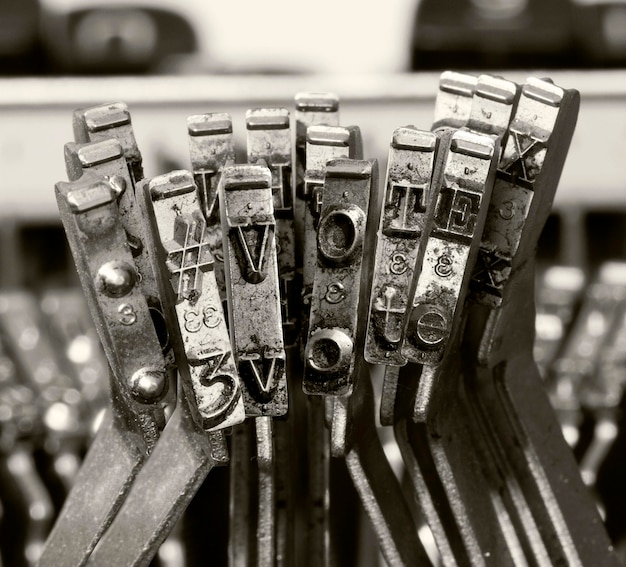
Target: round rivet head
116	279
148	385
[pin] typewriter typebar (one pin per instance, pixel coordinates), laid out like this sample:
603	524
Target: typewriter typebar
331	349
139	381
578	363
523	153
261	315
460	211
499	386
269	143
110	121
252	279
406	200
602	389
211	146
312	109
209	374
337	371
249	226
454	100
209	397
492	106
323	143
106	158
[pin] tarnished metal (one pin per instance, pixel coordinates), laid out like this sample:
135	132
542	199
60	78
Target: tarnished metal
209	397
406	199
426	485
211	146
108	121
241	544
319	544
266	511
454	100
333	361
455	540
358	191
459	215
504	385
205	359
354	438
248	223
522	158
247	208
157	499
323	143
90	215
119	309
434	326
483	453
269	143
492	106
335	336
106	158
312	109
472	461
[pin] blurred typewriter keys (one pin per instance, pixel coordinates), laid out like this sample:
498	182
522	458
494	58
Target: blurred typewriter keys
249	315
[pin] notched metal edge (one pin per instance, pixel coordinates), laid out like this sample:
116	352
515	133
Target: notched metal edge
178	182
495	88
543	91
267	119
96	153
328	136
408	138
209	124
236	177
82	199
472	145
317	102
458	83
106	116
348	168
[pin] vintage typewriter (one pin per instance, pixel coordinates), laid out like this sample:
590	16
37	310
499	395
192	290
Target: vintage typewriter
292	341
277	354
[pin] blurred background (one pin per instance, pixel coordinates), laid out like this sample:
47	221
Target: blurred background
170	58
